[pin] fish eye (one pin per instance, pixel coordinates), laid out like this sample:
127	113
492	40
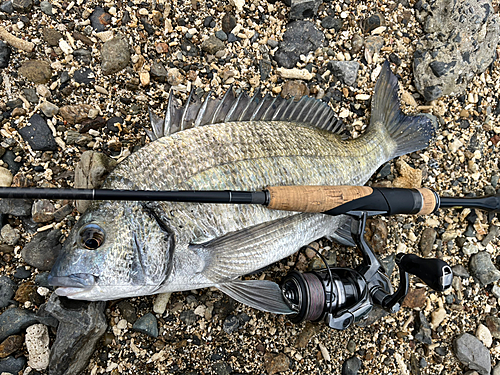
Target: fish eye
91	236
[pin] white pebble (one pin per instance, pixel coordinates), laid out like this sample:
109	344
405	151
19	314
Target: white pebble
37	343
324	352
437	317
295	73
5	177
65	47
200	310
122	324
484	335
160	304
455	145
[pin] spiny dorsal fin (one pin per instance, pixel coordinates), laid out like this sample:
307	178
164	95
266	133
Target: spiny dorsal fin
233	108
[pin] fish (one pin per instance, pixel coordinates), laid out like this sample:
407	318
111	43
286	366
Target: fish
127	249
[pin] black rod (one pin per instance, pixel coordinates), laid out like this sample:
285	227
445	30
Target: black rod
194	196
491	203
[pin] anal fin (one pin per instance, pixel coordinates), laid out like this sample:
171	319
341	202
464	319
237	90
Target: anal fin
262	295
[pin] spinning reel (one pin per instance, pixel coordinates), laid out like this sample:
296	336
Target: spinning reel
343	296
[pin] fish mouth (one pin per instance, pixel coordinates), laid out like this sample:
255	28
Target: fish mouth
72	285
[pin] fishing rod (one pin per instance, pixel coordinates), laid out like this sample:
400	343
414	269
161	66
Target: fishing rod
339	296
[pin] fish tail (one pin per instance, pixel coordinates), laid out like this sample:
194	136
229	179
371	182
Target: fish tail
409	133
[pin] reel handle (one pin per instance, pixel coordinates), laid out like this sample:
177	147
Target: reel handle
436	273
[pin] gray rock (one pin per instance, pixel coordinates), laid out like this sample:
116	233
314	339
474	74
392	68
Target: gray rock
221	35
14	320
188	317
7	290
51	36
222	368
42	251
300	38
15	207
496	370
423	329
345	71
12	365
22	6
38	134
36	71
99	19
212	45
460	42
492	234
493	324
115	55
461	271
351	366
76	138
372	22
481	267
231	324
127	311
49	109
7	7
147	324
9	235
5	52
228	23
472	353
332	23
80	328
301	9
158	72
64	211
46	8
427	240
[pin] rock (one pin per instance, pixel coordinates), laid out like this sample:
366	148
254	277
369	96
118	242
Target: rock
51	36
295	73
188	317
221	35
174	77
409	178
415	298
80	328
294	89
12	365
85	76
427	240
37	344
9	235
22	273
228	23
493	233
22	6
160	303
158	72
460	271
496	370
46	8
373	45
423	329
42	251
36	71
301	9
222	368
484	335
90	173
274	363
300	38
438	316
99	19
345	71
38	134
115	55
472	353
481	267
332	23
351	366
5	52
5	177
7	7
470	248
128	311
493	324
10	345
42	211
376	235
147	324
372	22
14	320
231	324
7	290
212	45
76	138
307	333
28	292
471	30
49	109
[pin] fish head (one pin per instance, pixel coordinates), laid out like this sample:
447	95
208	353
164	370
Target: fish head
115	250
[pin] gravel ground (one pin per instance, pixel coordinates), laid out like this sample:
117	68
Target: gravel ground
204	332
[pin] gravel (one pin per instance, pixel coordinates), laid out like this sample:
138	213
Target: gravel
85	73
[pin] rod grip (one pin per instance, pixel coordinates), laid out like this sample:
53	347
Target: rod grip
313	198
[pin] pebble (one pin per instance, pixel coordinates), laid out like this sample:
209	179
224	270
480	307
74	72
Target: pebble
231	324
22	6
10	345
84	76
99	19
37	343
301	9
306	334
36	71
332	23
212	45
14	320
415	298
22	273
160	303
438	316
7	290
472	353
427	241
46	8
38	134
9	235
484	335
493	233
12	365
493	324
147	324
188	317
228	22
481	267
345	71
221	35
42	211
49	109
127	310
351	366
374	21
5	52
295	74
274	363
5	177
174	77
423	329
42	251
115	55
409	178
294	89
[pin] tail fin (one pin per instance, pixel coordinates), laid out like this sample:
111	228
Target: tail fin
411	133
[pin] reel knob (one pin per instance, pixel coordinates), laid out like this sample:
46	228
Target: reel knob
436	273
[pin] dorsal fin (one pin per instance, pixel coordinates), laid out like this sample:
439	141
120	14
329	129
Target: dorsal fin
233	108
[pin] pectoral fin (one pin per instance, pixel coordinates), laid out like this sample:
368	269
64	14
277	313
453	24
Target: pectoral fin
262	295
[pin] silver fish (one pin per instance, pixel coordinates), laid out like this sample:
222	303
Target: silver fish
126	249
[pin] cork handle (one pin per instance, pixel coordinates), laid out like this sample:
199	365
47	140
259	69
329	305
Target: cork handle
313	198
429	201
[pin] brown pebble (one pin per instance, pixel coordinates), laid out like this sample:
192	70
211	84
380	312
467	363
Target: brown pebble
274	363
464	113
28	292
162	47
306	335
415	298
18	112
10	345
294	89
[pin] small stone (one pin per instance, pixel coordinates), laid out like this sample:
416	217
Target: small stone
415	298
472	353
307	333
36	71
38	134
22	6
49	109
22	273
42	211
127	311
295	74
221	35
37	343
7	7
423	329
212	45
51	36
46	8
42	251
160	303
115	55
351	366
75	114
188	317
493	233
228	23
470	248
345	71
12	365
372	22
357	43
275	363
231	324
484	335
147	324
5	177
14	320
10	345
7	290
332	23
427	240
158	72
460	271
5	52
481	267
301	9
28	292
9	235
409	178
100	19
294	89
222	368
85	76
437	317
493	324
174	77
